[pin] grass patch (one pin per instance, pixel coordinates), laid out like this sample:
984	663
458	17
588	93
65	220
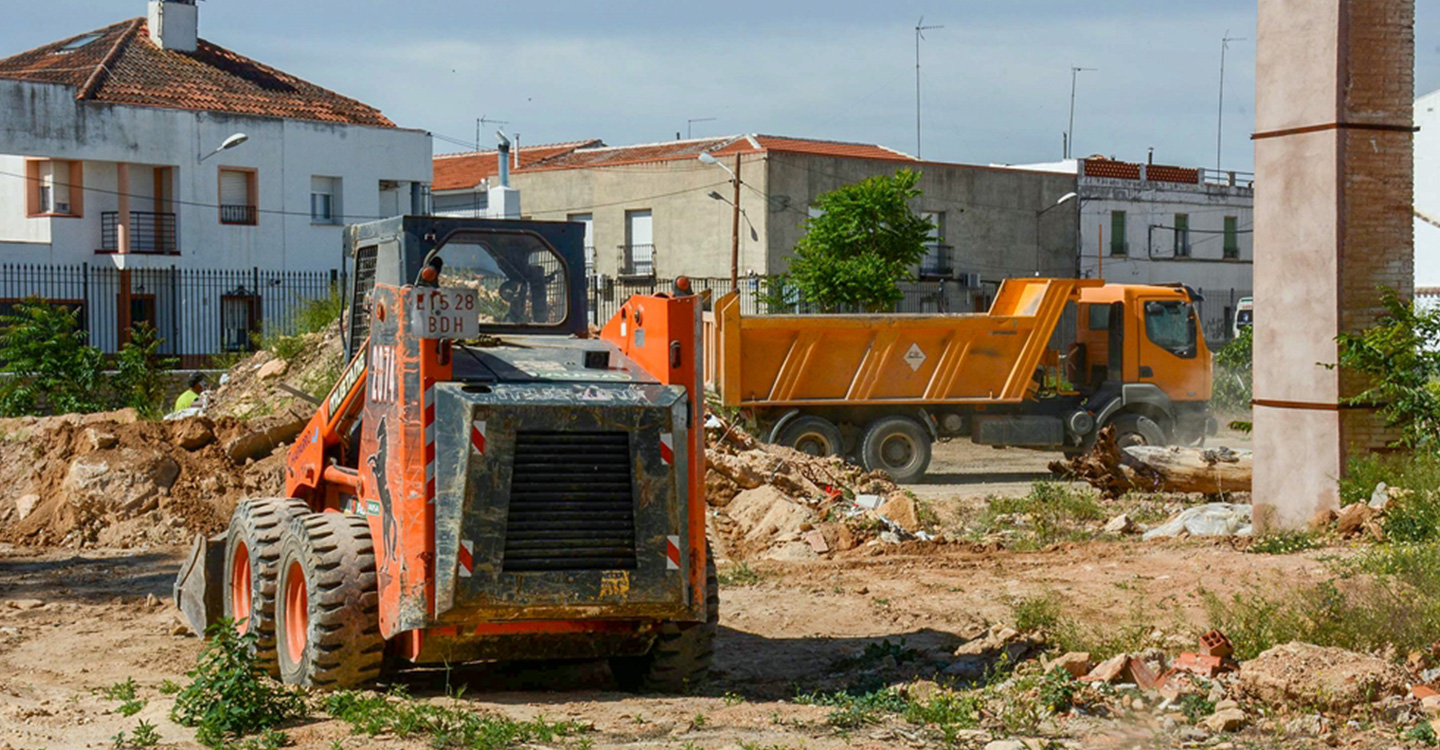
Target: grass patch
308	316
1036	613
1045	614
1283	543
1051	513
1416	516
739	575
875	653
229	696
444	727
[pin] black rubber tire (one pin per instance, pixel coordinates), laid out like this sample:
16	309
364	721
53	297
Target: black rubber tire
257	526
680	659
1137	429
342	646
815	436
898	446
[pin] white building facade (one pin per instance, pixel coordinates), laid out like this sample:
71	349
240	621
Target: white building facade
1427	190
110	161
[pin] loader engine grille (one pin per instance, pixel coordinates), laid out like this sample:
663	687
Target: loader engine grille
571	503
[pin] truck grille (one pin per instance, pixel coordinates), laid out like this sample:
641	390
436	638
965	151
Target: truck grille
571	503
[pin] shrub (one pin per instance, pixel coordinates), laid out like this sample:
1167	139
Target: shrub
1398	360
445	727
1235	374
139	380
229	696
309	316
46	357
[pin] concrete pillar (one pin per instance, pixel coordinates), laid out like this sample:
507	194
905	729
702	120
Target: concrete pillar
1333	183
122	213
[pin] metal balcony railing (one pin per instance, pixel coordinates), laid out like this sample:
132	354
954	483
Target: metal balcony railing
637	260
149	233
237	215
937	263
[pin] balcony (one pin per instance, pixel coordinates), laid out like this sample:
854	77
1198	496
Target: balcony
637	260
242	215
149	233
937	263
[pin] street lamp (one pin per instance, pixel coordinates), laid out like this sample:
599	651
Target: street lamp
706	158
229	143
1066	198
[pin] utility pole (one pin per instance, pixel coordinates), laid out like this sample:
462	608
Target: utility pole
1070	131
735	232
1220	113
920	29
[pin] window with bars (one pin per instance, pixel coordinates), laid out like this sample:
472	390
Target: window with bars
1232	238
325	200
1182	235
1118	246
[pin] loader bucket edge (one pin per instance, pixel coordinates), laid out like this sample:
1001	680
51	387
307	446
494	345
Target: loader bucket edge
198	586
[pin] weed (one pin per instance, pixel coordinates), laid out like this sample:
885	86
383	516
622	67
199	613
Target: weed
307	316
121	691
131	707
1036	613
949	711
146	735
1057	690
699	721
740	575
875	653
372	714
1422	733
882	603
1283	543
228	695
1053	513
1044	613
169	687
1196	707
758	746
732	698
852	710
1415	517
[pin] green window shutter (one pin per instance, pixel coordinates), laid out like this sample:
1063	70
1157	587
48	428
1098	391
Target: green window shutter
1182	235
1117	233
1232	237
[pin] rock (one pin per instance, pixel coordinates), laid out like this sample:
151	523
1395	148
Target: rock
816	540
1352	519
264	438
25	604
101	439
25	505
1430	704
152	601
1120	524
1310	725
1322	519
922	690
968	668
1226	720
889	537
192	434
1077	663
901	509
1108	670
1193	735
1324	678
271	369
1006	745
179	630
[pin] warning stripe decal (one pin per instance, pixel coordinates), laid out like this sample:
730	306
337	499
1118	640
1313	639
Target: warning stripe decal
667	448
672	553
428	402
477	436
467	558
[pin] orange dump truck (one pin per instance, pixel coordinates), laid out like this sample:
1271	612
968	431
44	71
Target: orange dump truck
1051	363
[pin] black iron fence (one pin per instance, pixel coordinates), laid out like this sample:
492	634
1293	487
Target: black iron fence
197	312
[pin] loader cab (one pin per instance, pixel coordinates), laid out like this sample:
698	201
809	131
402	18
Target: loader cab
528	275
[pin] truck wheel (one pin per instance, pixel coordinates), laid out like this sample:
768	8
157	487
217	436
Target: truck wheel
1137	429
252	557
898	446
681	657
328	621
816	436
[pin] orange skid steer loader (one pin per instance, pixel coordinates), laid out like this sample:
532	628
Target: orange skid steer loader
484	482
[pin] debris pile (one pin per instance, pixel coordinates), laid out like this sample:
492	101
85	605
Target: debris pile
774	502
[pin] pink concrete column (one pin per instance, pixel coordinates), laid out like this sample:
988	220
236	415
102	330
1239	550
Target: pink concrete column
122	218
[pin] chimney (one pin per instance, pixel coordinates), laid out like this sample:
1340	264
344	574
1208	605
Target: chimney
174	24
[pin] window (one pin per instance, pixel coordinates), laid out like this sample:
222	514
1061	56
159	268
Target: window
1117	233
55	188
325	200
521	280
589	222
936	261
239	320
1170	325
1099	317
237	196
639	243
1182	235
1232	237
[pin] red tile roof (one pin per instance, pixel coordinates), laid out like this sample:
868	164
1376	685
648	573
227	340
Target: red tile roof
120	65
467	170
609	156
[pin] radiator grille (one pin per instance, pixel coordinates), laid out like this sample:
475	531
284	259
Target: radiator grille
571	502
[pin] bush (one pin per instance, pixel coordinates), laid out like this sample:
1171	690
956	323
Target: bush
139	380
1415	517
46	357
229	696
1398	360
1235	374
310	316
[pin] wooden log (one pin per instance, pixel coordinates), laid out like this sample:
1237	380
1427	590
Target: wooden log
1207	470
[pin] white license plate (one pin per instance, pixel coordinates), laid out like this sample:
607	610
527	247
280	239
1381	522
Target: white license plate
446	313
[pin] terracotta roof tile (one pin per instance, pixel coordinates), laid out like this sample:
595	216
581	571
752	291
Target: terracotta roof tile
610	156
120	65
467	170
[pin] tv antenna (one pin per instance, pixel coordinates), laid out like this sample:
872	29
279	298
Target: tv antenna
920	29
480	125
1220	110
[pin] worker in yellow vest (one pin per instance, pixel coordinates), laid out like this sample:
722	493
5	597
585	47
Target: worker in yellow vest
197	387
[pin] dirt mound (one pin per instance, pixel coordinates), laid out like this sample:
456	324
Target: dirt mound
110	480
252	387
775	502
1326	678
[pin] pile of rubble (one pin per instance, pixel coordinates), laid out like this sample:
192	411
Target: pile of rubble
773	502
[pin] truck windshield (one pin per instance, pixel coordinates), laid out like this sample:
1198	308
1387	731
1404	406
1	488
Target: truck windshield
1170	325
520	279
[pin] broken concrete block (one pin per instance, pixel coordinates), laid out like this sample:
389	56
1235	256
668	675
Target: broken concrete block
1108	670
271	369
1352	519
1322	519
1421	692
816	540
868	502
1120	524
1228	720
1077	663
902	511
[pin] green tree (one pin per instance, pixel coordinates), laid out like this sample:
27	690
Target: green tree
1235	374
46	357
139	380
865	242
1400	357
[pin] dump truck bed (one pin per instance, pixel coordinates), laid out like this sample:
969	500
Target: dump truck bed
810	360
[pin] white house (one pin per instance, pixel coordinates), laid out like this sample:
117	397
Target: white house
1152	223
1427	190
111	160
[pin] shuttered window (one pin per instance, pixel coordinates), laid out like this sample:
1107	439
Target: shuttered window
237	196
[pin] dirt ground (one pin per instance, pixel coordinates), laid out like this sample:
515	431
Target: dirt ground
72	622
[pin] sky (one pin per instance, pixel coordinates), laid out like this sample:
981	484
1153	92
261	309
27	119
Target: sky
995	80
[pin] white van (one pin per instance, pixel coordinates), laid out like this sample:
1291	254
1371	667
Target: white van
1244	314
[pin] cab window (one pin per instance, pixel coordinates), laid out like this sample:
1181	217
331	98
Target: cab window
521	280
1170	325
